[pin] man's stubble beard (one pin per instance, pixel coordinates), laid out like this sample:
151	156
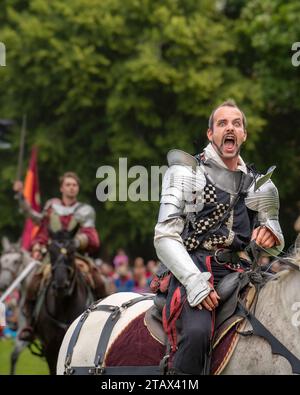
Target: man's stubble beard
219	149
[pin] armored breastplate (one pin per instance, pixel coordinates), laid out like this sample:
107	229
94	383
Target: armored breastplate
224	179
215	225
58	211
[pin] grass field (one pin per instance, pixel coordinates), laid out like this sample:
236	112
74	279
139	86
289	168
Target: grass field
27	364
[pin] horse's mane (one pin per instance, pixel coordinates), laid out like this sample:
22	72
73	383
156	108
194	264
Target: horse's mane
293	254
296	258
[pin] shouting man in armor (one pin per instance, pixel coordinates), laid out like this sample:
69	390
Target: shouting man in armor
211	208
65	214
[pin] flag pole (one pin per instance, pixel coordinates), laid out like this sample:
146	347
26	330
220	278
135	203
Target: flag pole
18	195
21	149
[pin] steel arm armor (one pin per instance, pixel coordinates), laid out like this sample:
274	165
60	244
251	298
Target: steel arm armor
29	211
265	200
180	182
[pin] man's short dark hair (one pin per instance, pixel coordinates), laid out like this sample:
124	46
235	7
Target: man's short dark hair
227	103
69	174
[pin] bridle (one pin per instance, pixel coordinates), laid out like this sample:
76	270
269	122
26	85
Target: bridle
72	274
70	270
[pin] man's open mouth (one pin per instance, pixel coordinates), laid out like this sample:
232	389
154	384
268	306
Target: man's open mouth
229	142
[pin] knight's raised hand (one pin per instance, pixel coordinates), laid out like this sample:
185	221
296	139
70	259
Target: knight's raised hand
18	186
264	237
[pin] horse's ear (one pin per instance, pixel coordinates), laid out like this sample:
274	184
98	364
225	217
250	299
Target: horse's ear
5	244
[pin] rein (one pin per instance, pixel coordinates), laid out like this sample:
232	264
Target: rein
288	262
46	290
58	323
61	261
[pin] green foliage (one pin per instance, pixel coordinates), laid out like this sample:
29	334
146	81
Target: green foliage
103	79
271	28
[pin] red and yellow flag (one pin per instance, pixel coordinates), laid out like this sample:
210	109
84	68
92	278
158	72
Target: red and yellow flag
32	195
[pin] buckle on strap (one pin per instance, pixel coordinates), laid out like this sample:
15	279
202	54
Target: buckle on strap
225	256
218	258
69	371
97	370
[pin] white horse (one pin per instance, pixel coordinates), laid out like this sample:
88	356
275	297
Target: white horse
278	309
12	262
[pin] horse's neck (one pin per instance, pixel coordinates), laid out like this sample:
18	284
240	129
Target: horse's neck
289	286
59	304
277	292
275	307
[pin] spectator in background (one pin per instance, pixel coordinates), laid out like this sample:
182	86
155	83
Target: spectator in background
107	269
123	277
138	262
108	272
151	267
141	281
2	318
120	258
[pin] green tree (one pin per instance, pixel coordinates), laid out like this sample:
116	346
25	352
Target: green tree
267	31
103	79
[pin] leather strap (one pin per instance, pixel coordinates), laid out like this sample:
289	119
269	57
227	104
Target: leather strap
224	255
276	346
242	190
105	334
115	370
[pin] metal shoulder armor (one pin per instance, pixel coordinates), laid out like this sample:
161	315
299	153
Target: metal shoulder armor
85	215
182	185
265	200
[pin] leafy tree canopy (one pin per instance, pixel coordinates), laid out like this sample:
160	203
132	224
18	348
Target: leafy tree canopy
104	79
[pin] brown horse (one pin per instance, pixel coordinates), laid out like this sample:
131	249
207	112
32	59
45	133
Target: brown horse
65	296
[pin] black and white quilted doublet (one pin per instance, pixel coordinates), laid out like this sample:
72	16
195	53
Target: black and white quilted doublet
234	231
202	225
209	194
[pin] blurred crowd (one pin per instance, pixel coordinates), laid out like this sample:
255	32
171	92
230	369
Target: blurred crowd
11	316
125	275
122	274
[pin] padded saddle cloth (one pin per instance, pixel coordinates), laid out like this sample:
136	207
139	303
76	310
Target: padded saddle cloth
135	346
143	341
225	338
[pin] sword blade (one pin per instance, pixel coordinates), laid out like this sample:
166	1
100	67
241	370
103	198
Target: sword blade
19	279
